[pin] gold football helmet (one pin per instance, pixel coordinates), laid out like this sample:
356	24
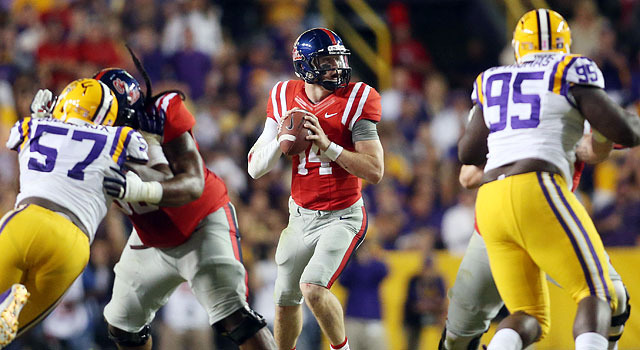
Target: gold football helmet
86	101
541	30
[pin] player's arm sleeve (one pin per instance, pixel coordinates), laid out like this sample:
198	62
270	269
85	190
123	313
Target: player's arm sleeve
274	109
138	148
265	153
477	95
364	130
128	145
19	134
575	70
179	119
368	107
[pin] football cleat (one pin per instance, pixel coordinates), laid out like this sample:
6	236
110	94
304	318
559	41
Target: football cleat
541	30
86	101
13	300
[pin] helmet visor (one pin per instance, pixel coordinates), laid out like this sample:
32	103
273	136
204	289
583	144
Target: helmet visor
331	62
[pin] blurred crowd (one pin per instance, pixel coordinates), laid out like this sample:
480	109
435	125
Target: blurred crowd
226	56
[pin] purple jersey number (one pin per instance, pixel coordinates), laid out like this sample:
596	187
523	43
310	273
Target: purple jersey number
51	154
99	141
502	100
587	73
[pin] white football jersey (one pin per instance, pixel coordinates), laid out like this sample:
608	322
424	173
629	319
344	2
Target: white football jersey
530	112
66	163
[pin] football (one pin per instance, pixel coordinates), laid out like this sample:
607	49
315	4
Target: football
292	134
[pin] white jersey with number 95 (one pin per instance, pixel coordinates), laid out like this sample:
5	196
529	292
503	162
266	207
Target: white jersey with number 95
532	101
66	163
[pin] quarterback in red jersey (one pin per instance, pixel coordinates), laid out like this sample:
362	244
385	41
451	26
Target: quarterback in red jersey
185	229
327	218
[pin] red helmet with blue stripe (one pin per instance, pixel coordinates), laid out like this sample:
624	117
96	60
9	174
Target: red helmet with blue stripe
320	57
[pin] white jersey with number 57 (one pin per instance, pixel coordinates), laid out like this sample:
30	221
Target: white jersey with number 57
532	102
66	163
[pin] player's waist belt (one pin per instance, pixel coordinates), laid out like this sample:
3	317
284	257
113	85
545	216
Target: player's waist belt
305	211
58	209
522	166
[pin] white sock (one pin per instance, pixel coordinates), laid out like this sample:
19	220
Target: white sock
343	346
591	341
505	339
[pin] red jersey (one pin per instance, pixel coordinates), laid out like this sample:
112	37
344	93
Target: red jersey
172	226
317	182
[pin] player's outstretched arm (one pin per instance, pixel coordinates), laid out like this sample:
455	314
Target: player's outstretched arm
472	147
367	162
160	187
185	162
159	172
265	153
606	116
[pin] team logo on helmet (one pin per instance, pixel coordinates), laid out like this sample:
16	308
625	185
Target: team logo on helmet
296	55
121	86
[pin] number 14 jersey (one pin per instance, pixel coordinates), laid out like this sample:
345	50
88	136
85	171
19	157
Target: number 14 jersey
318	183
529	110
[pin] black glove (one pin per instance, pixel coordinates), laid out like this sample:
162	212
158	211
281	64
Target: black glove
152	120
115	186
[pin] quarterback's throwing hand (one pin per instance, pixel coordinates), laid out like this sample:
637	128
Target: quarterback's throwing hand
285	115
319	138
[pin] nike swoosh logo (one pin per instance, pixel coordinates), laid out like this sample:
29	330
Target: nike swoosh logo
327	115
290	126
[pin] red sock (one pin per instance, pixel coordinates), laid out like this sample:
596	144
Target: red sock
340	345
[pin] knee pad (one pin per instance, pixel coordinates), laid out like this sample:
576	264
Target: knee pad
250	324
621	314
451	341
127	339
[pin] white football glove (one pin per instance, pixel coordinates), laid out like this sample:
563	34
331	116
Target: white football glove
130	188
42	104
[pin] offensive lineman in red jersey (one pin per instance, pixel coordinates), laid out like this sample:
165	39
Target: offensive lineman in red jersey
327	218
185	230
